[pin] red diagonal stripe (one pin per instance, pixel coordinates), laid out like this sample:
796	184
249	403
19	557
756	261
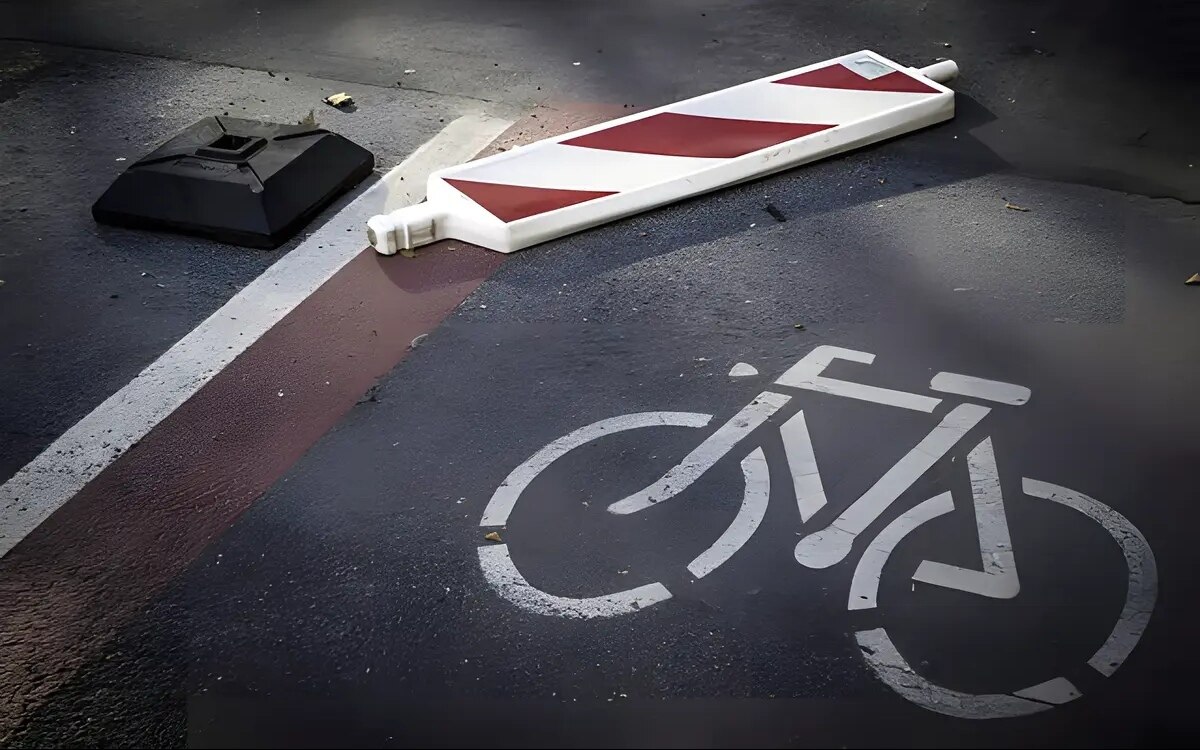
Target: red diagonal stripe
512	202
838	76
671	134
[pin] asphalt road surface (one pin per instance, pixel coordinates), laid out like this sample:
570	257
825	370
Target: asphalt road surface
271	566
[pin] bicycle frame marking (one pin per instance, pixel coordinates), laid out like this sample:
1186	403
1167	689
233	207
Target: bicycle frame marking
700	460
971	387
998	579
802	462
500	506
832	544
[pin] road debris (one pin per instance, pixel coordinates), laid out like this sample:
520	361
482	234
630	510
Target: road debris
339	101
492	536
418	341
409	71
1194	280
309	120
1013	206
742	370
776	214
799	327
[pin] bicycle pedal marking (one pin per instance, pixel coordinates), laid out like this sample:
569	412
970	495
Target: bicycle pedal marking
998	579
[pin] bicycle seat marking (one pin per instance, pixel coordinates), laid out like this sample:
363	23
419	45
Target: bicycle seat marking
996	578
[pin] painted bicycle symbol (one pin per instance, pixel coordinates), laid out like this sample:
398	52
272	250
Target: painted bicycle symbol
996	579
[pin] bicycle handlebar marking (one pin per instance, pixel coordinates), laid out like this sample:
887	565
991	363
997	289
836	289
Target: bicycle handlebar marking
807	374
998	579
971	387
503	576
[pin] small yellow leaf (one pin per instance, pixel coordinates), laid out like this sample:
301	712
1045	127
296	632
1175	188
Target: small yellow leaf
492	536
1194	280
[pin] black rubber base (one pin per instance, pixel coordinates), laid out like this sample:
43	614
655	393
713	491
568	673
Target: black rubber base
239	181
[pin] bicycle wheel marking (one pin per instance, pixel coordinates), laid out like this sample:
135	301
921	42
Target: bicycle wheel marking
864	587
680	476
503	576
505	497
802	462
749	516
889	666
1143	572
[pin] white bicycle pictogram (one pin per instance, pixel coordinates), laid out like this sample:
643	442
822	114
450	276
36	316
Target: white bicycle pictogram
997	578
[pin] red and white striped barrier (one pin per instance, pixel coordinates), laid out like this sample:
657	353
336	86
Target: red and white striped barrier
561	185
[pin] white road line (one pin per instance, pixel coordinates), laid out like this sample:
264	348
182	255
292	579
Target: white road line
83	451
745	523
831	545
680	476
802	461
506	495
502	574
972	387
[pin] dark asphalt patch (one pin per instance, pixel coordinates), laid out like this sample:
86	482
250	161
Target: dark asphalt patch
348	606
